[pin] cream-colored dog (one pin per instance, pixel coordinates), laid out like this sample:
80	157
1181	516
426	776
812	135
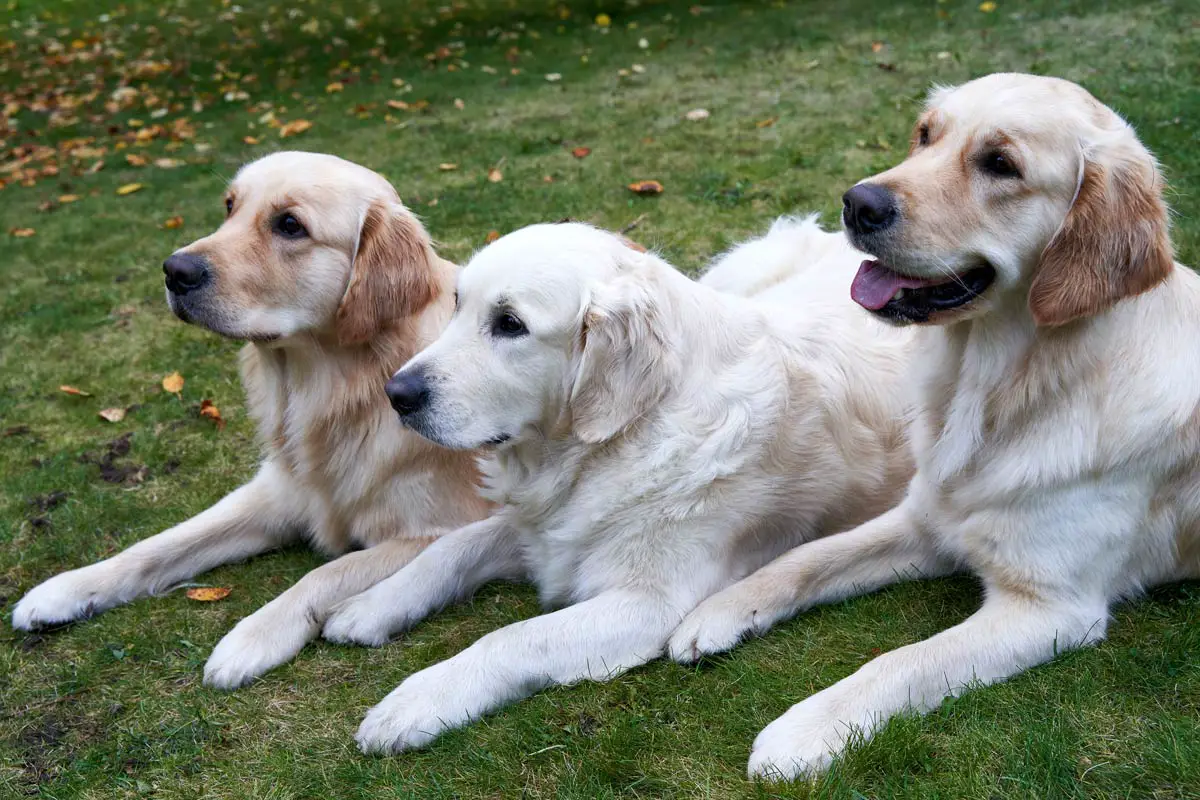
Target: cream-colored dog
335	284
655	440
1058	443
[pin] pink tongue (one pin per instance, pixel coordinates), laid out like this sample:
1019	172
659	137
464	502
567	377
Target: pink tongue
875	284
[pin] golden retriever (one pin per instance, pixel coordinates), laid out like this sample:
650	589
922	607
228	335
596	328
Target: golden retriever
655	440
1058	438
335	284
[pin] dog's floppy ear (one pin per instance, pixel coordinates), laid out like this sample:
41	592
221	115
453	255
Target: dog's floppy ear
627	362
393	274
1113	244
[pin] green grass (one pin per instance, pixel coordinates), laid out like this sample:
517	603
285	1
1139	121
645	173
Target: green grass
114	707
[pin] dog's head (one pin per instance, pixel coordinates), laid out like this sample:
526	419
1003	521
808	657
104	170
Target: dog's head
556	331
310	243
1013	183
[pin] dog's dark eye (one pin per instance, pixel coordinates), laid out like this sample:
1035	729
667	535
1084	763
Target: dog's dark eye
998	164
508	324
923	135
289	226
456	301
228	206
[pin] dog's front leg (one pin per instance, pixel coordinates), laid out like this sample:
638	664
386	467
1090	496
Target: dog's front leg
450	569
1007	635
278	631
596	639
247	521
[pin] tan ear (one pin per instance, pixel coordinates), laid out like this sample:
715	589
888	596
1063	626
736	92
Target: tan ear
627	363
1113	244
393	274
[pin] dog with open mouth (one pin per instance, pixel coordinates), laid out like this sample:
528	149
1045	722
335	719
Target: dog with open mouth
654	440
1058	431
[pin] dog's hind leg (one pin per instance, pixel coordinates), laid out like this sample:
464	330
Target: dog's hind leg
248	521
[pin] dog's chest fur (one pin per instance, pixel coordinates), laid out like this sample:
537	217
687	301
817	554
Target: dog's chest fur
355	476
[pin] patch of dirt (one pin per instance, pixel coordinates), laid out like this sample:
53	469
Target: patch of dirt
114	471
45	502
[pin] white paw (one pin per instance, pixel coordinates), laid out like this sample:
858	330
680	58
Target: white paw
716	625
256	645
63	598
412	716
359	620
805	740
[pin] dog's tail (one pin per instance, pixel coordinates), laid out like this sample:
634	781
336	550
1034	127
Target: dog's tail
791	247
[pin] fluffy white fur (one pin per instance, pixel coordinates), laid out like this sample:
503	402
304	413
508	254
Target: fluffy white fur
337	470
1058	440
665	439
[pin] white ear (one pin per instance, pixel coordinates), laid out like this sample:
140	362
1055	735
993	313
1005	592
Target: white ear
627	363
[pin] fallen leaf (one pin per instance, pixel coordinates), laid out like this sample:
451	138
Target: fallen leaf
554	77
67	198
987	7
72	390
134	160
250	140
876	46
603	20
492	236
334	87
207	409
766	123
167	163
459	104
173	383
399	105
294	127
208	594
697	115
447	166
495	175
645	188
129	188
22	233
171	223
113	414
581	152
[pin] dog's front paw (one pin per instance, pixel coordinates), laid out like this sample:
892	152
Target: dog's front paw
716	625
256	645
805	740
64	598
412	716
359	620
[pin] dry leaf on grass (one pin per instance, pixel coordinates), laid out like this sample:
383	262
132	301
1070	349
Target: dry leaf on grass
495	175
135	160
113	414
447	166
766	123
129	188
646	187
171	223
249	140
697	115
581	152
208	594
173	383
72	390
67	198
207	409
22	233
167	163
294	127
492	236
336	86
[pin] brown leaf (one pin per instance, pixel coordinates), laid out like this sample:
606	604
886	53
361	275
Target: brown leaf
129	188
207	409
294	127
495	175
334	87
250	139
173	383
766	123
22	233
72	390
208	594
171	223
135	160
645	188
581	152
492	236
399	105
113	414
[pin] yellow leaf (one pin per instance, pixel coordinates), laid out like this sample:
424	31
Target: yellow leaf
72	390
134	160
766	123
646	187
336	86
173	383
67	198
294	127
208	594
207	409
495	175
987	7
250	139
447	166
603	20
113	414
167	163
171	223
22	233
399	105
129	188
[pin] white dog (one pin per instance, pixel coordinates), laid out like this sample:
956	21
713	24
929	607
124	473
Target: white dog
1058	444
655	441
335	284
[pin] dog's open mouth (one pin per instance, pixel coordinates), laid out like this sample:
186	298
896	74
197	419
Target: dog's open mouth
882	290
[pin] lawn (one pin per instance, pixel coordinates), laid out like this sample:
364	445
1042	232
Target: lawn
804	98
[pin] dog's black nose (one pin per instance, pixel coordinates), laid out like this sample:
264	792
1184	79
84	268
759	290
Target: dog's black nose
408	391
185	272
868	208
